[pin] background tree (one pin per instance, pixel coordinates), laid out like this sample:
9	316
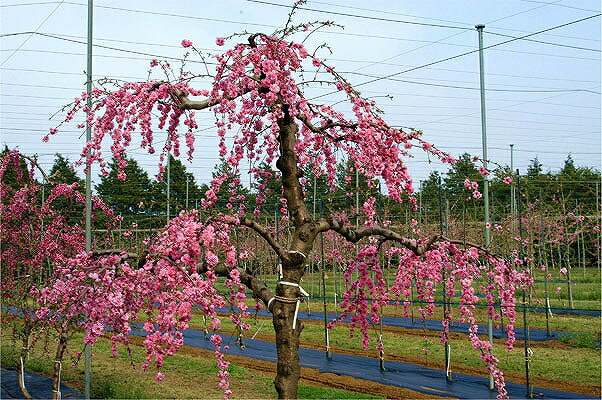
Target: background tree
135	199
231	194
17	174
63	172
39	237
182	186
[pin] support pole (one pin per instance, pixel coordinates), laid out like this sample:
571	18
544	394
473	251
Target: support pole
357	198
528	351
187	181
485	165
442	229
88	212
542	238
323	265
168	184
512	191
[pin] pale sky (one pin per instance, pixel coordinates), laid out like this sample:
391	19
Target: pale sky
543	95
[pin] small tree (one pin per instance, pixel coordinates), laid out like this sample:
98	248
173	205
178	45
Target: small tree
257	97
39	239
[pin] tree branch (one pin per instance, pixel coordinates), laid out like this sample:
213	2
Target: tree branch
258	288
109	252
354	235
265	234
330	124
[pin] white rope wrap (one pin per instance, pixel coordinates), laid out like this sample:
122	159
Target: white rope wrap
280	275
447	366
303	293
270	302
297	252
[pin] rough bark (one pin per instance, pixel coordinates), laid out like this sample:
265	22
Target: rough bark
288	293
56	375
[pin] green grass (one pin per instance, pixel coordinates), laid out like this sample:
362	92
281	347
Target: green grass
560	363
315	392
187	374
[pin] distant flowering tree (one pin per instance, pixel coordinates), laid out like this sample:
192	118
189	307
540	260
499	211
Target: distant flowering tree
261	114
40	241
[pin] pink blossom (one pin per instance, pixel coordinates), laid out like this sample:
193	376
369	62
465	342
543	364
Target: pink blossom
219	41
507	180
563	271
186	43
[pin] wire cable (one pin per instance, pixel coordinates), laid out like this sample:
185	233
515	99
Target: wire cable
30	36
465	54
330	12
544	42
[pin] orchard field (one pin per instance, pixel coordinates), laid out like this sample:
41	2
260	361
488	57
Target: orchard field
324	270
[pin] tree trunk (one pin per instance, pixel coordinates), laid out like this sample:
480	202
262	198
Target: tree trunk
21	372
56	375
288	331
288	369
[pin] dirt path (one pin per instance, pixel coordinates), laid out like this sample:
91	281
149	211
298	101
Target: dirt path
312	376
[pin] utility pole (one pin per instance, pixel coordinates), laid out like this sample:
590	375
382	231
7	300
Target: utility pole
485	165
88	212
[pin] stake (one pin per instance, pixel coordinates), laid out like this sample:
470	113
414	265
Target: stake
528	351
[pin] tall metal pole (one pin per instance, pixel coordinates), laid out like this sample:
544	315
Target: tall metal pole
512	190
357	198
168	183
88	212
485	165
599	217
528	351
323	265
542	238
443	230
187	181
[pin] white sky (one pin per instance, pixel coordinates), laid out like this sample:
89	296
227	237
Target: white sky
542	97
